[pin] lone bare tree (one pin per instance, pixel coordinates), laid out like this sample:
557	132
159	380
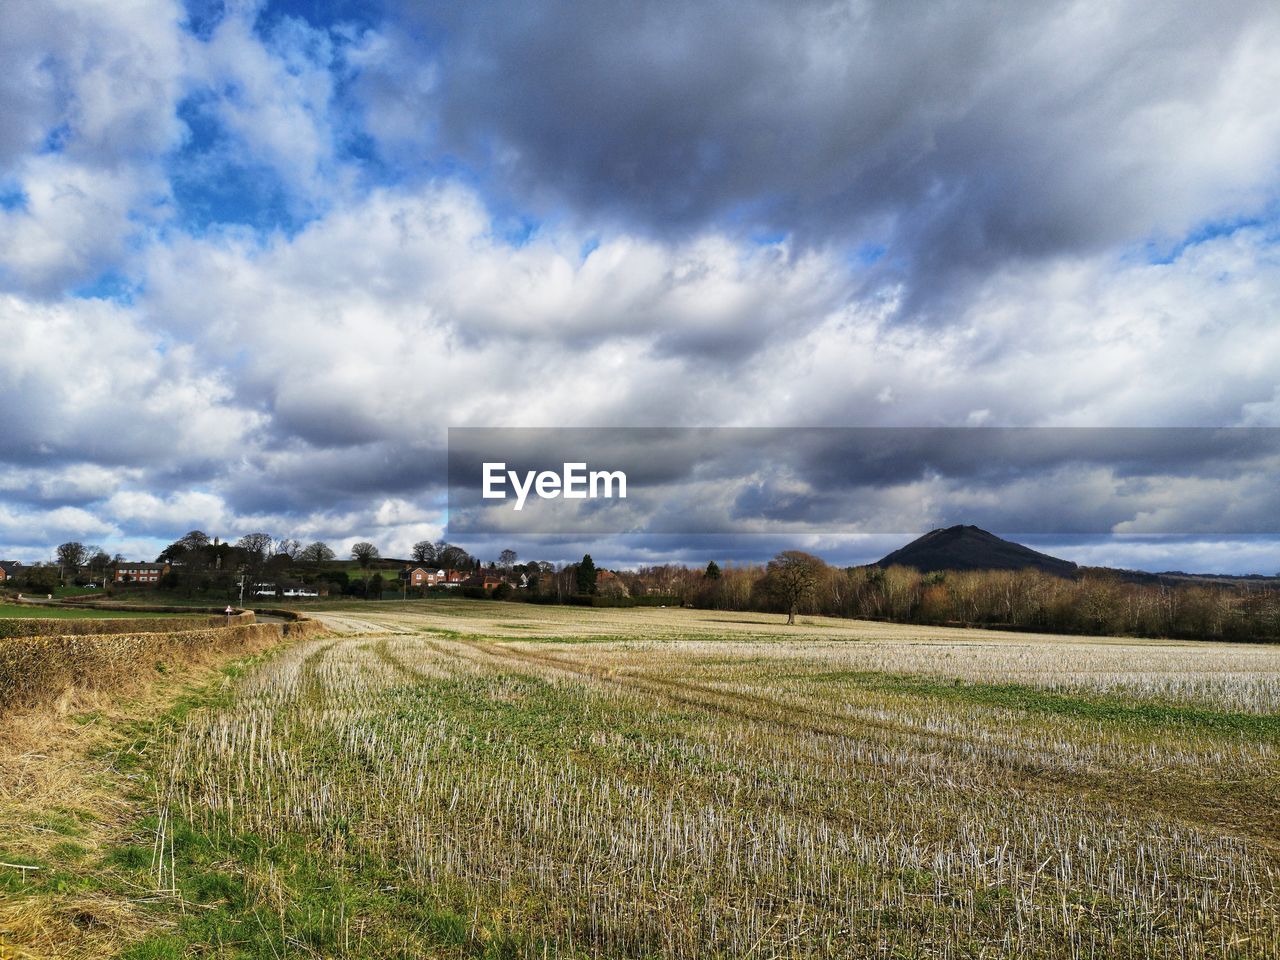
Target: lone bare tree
793	576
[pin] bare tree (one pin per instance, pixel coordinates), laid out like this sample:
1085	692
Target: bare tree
196	540
365	553
317	553
255	548
256	543
452	557
792	577
507	559
424	551
288	547
98	562
71	556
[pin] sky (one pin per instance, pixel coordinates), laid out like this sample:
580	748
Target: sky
257	258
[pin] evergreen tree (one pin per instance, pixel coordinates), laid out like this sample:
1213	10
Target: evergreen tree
587	575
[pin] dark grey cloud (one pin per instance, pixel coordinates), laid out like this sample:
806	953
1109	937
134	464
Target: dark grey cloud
843	457
956	135
304	480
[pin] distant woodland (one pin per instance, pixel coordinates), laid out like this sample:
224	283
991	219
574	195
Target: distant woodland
1096	601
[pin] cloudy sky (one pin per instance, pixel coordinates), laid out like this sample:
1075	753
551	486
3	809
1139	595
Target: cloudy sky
256	258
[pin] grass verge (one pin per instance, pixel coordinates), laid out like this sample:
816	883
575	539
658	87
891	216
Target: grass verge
76	877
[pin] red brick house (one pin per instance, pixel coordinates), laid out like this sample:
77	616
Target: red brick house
609	584
483	580
430	577
9	569
422	576
139	572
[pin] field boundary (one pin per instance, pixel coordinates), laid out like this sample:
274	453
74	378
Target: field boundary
18	627
39	670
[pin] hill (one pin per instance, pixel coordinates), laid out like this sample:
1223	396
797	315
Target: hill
969	548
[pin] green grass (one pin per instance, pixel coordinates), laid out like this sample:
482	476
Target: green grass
1104	709
22	611
254	899
60	593
248	897
130	596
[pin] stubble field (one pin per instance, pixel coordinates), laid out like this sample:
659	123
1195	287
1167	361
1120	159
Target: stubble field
534	781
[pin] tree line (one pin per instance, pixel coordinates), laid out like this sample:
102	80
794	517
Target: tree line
204	564
201	563
1097	601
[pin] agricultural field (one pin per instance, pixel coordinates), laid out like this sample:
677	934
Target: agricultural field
461	778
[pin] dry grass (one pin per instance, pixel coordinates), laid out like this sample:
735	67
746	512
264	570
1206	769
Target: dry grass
701	784
37	670
56	788
67	799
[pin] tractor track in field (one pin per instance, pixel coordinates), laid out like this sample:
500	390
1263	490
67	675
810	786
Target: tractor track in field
743	706
352	626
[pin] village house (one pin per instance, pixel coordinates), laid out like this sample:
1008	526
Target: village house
9	569
609	584
285	590
139	572
483	580
427	577
423	576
